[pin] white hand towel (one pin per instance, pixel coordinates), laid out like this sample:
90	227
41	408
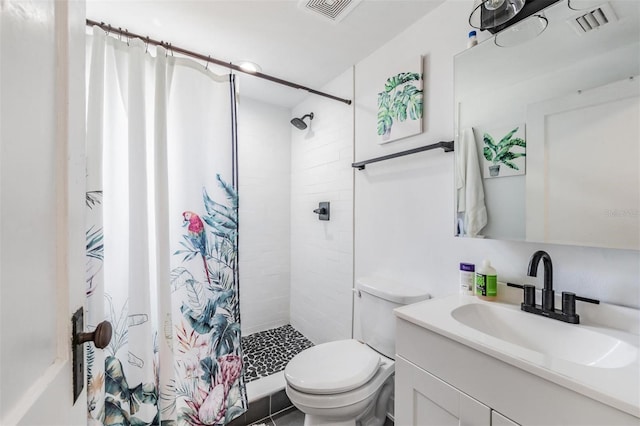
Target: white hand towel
470	190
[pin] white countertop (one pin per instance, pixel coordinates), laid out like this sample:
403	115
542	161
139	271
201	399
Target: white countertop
617	387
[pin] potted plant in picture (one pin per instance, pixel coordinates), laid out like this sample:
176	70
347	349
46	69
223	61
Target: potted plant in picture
399	99
500	153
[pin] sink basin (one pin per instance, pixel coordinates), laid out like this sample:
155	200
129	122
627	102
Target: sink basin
573	343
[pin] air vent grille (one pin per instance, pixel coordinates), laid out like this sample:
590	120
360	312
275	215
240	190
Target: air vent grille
334	10
594	19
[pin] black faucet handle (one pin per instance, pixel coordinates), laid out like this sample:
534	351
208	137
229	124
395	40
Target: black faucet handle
548	296
568	303
515	285
529	293
586	299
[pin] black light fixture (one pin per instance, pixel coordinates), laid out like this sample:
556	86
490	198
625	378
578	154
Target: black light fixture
488	14
496	15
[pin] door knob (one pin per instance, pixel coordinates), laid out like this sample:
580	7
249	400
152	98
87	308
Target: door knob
100	337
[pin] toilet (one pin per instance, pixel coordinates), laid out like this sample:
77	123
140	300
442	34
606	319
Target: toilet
349	382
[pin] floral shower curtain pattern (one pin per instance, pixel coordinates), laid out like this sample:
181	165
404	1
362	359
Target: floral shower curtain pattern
162	239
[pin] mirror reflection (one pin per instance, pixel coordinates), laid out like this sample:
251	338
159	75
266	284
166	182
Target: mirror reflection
548	129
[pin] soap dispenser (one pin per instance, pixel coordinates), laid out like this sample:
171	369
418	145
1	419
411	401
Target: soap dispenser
486	281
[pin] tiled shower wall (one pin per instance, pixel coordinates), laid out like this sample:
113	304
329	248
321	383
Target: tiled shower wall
321	251
264	176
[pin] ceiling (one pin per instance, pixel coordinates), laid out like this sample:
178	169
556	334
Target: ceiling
287	41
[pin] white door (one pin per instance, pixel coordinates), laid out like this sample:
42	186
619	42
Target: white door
41	208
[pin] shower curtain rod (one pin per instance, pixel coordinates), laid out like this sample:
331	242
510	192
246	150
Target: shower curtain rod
170	47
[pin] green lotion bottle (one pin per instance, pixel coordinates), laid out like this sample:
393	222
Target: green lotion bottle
486	281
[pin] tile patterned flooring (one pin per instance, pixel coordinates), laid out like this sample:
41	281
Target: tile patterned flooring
269	351
291	417
294	417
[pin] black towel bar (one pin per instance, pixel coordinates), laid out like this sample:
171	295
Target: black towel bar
447	146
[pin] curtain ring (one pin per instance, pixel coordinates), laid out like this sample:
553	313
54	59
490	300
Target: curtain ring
109	29
146	46
208	60
120	33
126	34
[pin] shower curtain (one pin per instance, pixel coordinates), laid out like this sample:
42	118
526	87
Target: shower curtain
162	233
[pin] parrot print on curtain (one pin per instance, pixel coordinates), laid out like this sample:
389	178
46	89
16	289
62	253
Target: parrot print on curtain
197	237
209	361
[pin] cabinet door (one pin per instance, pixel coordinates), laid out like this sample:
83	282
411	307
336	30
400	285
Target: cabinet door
498	419
422	399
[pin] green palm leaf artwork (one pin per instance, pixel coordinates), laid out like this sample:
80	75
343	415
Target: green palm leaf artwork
508	152
400	106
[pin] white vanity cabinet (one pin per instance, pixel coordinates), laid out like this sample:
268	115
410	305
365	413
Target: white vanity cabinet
442	382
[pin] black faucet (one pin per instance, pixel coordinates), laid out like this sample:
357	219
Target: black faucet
548	295
547	309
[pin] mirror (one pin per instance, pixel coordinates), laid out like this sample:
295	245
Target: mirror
559	114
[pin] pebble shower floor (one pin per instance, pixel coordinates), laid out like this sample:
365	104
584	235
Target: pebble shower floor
269	351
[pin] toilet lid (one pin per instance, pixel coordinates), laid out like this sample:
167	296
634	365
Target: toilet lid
332	367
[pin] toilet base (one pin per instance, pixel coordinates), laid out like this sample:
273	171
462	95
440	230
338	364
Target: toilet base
372	414
310	420
368	420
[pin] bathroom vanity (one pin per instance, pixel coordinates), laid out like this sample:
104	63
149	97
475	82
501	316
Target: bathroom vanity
461	360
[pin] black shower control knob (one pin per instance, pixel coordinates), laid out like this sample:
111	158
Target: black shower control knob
323	210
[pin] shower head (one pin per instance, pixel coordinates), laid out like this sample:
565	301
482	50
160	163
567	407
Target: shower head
299	122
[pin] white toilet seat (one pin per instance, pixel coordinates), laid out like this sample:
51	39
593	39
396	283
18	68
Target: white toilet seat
355	395
333	367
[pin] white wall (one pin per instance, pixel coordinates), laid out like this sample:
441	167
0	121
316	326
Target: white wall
404	207
264	168
321	251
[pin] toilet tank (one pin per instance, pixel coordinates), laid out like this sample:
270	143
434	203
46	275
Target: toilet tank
378	298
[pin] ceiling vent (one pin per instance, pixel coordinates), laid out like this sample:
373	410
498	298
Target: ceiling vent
594	19
333	10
